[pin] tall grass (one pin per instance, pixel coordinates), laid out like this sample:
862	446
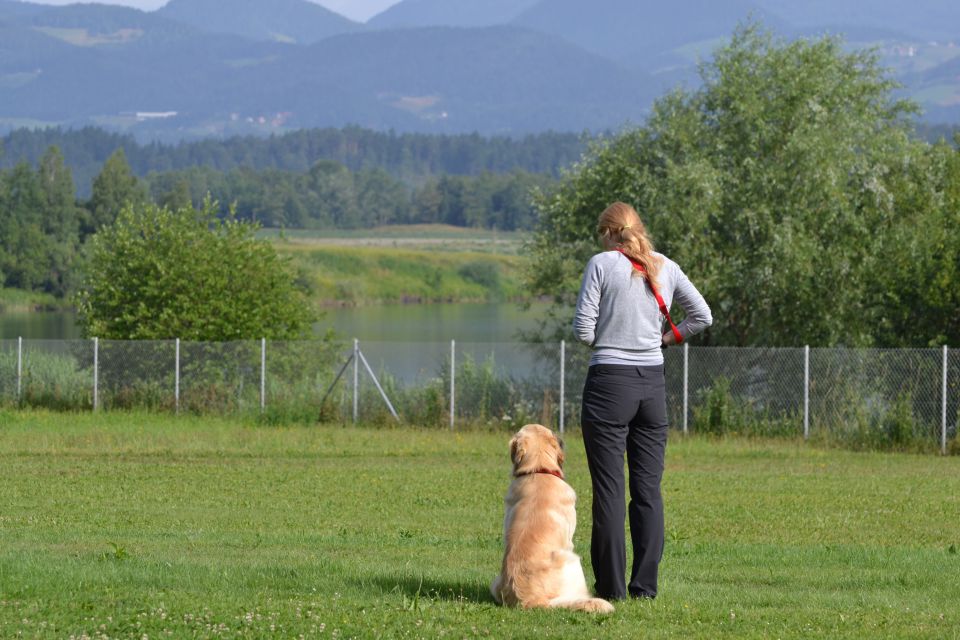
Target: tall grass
17	301
369	275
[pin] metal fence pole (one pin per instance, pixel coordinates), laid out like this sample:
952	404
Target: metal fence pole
453	376
263	374
686	381
563	362
356	378
806	392
176	378
96	372
19	369
943	407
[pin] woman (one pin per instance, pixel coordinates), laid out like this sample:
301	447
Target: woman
624	405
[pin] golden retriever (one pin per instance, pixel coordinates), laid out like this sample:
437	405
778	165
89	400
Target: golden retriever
540	568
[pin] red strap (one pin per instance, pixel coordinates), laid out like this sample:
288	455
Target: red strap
663	307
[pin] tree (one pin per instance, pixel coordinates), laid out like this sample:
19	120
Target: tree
113	189
776	186
61	219
157	273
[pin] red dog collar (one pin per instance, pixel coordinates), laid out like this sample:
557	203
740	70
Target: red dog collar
552	472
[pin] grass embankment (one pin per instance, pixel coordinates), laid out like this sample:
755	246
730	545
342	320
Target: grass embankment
137	526
19	301
382	274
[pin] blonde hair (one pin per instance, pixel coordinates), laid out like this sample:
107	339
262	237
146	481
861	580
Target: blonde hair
621	223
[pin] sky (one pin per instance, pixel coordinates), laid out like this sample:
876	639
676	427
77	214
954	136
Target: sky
360	10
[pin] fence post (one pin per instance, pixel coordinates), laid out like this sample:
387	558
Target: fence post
176	378
356	378
686	389
19	369
96	372
263	374
453	376
806	392
563	362
943	407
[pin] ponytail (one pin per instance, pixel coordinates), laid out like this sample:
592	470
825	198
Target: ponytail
621	223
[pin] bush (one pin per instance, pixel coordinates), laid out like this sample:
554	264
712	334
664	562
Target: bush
158	274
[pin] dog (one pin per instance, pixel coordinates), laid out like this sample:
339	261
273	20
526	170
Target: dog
539	567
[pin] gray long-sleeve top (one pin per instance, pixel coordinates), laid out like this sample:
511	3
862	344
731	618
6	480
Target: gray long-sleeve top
618	315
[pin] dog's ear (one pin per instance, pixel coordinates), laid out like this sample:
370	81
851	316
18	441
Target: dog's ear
561	456
516	449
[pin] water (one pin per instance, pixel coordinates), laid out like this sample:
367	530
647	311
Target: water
467	322
411	342
481	322
39	325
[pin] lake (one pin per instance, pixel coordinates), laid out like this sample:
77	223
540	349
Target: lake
468	322
412	341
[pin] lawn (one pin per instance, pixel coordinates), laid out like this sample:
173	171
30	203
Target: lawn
145	526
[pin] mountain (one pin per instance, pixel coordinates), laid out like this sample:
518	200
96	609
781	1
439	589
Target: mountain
637	31
940	88
449	13
924	19
220	67
16	9
89	25
496	80
288	21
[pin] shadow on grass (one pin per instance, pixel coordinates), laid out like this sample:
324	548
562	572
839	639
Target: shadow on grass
426	588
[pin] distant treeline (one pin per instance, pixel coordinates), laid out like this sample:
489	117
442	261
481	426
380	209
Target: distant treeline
409	157
44	223
329	195
934	133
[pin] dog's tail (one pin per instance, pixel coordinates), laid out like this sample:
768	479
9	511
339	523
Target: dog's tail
591	605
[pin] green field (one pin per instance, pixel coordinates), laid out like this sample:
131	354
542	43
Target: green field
417	237
356	274
19	301
140	526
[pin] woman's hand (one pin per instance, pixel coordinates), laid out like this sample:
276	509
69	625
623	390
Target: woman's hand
668	339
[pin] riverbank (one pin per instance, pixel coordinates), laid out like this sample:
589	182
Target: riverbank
370	275
18	301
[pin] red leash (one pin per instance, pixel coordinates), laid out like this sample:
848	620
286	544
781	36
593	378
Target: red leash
663	307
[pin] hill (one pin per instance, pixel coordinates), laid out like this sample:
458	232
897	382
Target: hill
923	19
635	31
199	68
449	13
496	79
288	21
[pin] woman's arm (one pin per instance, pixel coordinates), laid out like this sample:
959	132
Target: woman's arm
588	305
698	316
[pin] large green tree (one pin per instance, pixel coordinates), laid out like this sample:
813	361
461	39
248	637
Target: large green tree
783	186
39	225
157	273
114	188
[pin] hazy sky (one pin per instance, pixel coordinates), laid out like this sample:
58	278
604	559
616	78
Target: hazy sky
356	9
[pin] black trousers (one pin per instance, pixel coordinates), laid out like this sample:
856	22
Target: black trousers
624	410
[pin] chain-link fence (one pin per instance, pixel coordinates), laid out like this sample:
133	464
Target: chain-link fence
869	397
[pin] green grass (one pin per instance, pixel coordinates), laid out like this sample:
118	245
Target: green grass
397	231
385	274
20	301
136	525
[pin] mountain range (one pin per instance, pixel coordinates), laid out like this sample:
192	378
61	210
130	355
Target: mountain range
208	67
